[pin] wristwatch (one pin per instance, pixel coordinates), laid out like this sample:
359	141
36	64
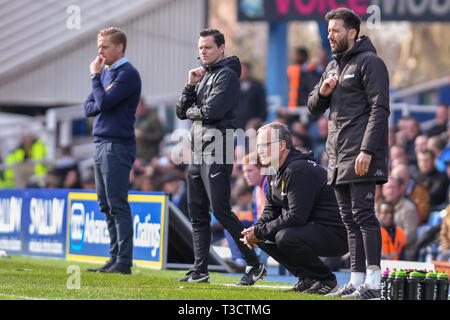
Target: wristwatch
93	75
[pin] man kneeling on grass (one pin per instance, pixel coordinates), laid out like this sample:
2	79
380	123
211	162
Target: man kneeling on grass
301	220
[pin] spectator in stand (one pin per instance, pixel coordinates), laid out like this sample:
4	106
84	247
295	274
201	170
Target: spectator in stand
393	237
172	183
391	136
318	144
31	150
88	182
300	137
435	181
437	144
149	132
420	143
412	131
53	179
440	122
242	193
252	99
414	191
405	213
444	236
283	116
72	179
397	154
294	73
320	62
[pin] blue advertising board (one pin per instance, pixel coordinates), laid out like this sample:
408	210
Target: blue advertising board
62	223
33	222
11	212
87	232
44	223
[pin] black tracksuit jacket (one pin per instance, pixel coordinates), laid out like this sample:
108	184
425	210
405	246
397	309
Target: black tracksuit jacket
297	194
211	103
359	112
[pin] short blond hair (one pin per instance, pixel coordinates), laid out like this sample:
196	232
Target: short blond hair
118	36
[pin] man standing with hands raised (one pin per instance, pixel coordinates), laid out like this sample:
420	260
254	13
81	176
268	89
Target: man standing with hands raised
116	90
355	86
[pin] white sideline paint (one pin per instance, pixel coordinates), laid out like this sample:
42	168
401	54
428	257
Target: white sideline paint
20	297
257	286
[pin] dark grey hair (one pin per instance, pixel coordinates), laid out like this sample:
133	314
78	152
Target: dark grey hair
282	130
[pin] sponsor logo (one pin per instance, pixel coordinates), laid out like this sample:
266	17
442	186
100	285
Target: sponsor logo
46	216
379	173
349	76
369	196
215	175
10	214
85	229
146	234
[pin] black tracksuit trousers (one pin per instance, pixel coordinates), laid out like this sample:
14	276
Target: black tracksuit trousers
208	185
356	204
298	249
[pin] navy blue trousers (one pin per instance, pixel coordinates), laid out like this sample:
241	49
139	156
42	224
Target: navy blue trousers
113	162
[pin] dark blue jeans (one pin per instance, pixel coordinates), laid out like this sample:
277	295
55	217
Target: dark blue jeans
113	162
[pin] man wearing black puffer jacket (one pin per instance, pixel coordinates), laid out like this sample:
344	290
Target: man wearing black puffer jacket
355	87
301	220
209	100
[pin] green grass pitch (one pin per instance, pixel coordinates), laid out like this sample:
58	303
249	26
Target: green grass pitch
27	278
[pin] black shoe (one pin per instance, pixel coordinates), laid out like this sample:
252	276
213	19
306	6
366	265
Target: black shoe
186	276
198	277
119	268
103	268
323	287
302	285
252	274
194	276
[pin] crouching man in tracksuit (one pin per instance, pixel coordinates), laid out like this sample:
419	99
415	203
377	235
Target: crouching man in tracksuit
301	220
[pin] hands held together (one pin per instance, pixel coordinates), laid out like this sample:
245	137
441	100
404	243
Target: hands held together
249	237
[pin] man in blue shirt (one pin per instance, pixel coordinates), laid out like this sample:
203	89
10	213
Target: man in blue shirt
116	90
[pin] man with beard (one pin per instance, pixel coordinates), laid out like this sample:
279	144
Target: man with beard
355	86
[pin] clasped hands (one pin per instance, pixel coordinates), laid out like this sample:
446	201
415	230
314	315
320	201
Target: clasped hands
249	238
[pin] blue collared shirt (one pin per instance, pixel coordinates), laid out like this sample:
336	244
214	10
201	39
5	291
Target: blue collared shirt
118	63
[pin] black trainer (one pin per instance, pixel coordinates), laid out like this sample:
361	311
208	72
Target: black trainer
195	277
252	274
103	268
119	268
323	287
302	285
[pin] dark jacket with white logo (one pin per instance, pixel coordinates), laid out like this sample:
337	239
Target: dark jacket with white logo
297	194
359	112
211	103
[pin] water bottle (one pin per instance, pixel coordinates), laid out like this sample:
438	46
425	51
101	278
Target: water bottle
415	285
399	285
442	286
390	284
429	292
384	285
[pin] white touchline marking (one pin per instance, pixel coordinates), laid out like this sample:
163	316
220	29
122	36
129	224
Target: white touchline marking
20	297
257	286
